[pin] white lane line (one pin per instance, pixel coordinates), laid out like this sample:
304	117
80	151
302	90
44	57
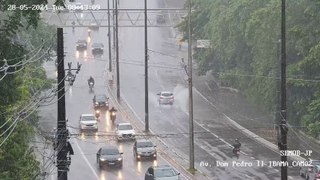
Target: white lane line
209	87
86	160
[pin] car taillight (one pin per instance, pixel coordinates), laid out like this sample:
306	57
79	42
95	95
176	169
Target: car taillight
161	97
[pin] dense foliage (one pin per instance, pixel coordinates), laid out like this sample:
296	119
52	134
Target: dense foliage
245	52
25	42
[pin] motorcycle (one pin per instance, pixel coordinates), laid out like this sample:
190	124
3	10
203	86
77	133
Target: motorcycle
113	116
91	84
97	114
236	152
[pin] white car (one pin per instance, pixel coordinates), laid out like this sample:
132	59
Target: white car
88	122
125	131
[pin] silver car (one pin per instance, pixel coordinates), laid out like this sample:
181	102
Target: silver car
315	173
163	172
143	148
166	97
305	171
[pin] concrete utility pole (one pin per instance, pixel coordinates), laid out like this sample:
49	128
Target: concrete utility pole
109	38
117	55
63	146
146	58
62	133
283	98
191	135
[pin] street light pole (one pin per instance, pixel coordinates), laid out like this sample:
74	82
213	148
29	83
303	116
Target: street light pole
109	38
283	98
191	135
117	54
146	103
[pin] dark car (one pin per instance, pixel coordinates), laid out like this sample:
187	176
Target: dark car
305	171
109	156
160	19
163	172
101	100
144	149
93	26
97	48
81	45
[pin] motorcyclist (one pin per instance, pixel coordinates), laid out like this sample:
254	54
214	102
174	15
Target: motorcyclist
113	110
236	146
113	113
90	80
73	24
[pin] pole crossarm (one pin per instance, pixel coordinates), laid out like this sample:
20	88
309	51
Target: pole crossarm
126	17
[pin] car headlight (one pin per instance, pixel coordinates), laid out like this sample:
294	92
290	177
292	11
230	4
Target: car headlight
102	159
97	103
119	159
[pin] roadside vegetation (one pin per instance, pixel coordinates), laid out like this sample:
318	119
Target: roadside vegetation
25	43
245	52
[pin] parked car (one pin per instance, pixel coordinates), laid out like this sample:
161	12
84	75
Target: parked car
163	172
306	170
81	45
100	100
109	156
97	48
125	131
88	122
166	97
144	149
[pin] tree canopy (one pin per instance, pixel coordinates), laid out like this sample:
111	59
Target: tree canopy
245	51
25	43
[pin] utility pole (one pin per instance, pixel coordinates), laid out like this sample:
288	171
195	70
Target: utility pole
63	146
191	135
117	54
109	38
283	99
62	133
146	57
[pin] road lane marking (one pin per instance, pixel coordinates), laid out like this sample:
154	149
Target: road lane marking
209	87
86	160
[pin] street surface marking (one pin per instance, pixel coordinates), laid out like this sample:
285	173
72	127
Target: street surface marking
85	158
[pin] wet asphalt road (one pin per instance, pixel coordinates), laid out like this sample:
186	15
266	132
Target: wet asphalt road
214	133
